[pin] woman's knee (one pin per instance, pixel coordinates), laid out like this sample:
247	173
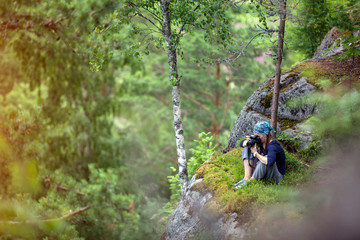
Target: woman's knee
260	171
246	153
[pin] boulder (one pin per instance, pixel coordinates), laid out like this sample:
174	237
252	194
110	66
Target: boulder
196	217
292	85
328	46
258	106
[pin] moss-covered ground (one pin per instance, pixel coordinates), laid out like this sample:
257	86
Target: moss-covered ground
224	170
338	72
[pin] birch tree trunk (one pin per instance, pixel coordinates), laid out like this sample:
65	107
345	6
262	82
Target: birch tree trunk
279	54
175	80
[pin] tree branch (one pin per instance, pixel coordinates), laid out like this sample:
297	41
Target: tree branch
66	42
227	107
242	50
196	8
34	222
156	17
210	71
182	27
167	149
198	104
209	95
62	188
149	20
242	3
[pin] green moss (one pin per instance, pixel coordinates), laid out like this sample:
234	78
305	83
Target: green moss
287	87
326	69
287	123
199	187
270	84
222	172
268	99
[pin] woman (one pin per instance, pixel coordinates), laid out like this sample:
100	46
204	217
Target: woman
269	162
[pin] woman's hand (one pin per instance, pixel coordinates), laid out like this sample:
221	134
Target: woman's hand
246	140
253	149
261	158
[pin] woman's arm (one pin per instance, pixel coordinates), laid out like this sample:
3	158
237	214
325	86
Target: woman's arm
261	158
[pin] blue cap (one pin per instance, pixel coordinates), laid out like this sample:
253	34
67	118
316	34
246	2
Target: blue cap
263	128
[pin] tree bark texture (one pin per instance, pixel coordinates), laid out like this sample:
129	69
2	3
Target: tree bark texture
279	56
175	80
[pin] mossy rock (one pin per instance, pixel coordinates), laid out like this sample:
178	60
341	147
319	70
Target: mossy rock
222	172
335	71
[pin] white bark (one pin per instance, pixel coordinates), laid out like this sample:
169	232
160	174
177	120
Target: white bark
174	79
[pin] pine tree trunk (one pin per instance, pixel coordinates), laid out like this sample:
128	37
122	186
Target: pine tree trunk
275	100
175	80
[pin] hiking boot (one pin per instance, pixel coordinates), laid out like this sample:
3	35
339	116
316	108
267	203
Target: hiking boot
240	184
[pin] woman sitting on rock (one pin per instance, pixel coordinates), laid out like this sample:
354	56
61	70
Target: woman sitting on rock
267	163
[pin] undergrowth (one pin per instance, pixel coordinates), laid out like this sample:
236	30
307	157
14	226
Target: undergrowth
222	172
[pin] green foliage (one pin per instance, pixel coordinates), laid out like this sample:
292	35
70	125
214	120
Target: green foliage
113	210
293	144
260	11
203	151
349	42
315	19
142	20
335	110
60	118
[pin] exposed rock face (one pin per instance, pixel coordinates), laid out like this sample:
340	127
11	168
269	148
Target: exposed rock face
195	218
328	43
258	106
301	134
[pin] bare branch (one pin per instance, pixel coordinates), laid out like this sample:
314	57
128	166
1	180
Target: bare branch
167	149
209	95
210	71
160	97
156	17
66	42
242	3
199	104
260	33
62	188
242	50
35	222
141	15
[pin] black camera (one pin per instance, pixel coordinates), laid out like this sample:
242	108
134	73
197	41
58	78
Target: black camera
253	139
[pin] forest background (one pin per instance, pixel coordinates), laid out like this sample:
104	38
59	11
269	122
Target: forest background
86	113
